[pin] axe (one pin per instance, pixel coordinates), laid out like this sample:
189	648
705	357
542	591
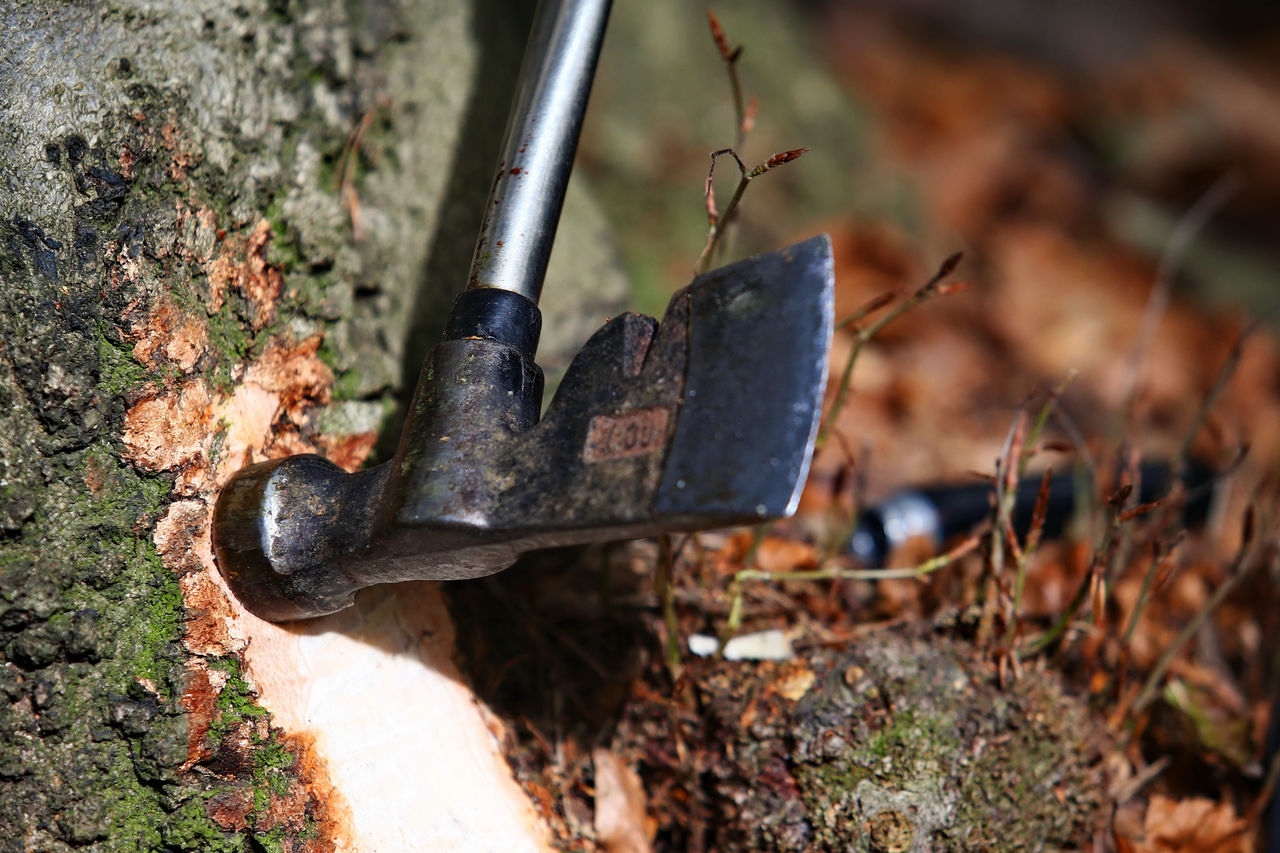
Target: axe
705	419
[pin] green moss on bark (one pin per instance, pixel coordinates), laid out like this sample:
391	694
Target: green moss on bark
125	174
103	144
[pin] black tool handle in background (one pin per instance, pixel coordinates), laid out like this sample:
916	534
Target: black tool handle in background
941	512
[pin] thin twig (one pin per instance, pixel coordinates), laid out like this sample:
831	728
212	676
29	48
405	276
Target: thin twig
718	222
868	308
933	287
1042	420
1142	778
744	113
1160	563
1001	530
1260	804
1089	583
843	527
1127	508
1024	559
735	591
834	571
346	173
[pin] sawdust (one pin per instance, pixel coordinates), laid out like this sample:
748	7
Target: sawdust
182	538
295	373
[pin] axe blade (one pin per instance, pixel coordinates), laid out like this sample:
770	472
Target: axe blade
759	332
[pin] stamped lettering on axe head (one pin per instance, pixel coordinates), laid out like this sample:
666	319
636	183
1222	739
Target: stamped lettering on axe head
631	433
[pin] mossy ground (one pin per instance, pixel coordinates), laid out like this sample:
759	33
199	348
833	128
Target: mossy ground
906	726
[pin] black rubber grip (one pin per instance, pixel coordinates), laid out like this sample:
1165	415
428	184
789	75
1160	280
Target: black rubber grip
496	315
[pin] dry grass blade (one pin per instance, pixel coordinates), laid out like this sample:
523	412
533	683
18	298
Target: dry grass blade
1220	383
1236	573
1184	234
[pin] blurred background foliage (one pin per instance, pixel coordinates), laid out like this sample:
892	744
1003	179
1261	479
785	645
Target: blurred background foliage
942	120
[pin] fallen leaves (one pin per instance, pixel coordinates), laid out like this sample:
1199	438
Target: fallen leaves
1194	825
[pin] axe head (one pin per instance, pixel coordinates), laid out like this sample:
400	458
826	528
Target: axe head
706	419
759	331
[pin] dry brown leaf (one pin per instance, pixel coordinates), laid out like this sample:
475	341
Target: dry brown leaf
1194	825
622	820
794	684
784	555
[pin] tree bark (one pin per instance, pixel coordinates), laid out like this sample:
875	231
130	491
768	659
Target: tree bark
229	232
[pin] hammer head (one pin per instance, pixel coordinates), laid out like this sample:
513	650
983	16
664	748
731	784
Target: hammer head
704	420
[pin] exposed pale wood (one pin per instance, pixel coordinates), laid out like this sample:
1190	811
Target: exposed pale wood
415	756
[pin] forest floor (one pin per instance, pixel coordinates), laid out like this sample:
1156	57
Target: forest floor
1110	689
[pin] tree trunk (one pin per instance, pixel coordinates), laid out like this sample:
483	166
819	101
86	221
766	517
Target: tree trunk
229	233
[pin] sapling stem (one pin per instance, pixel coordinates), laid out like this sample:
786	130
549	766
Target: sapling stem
664	586
743	111
717	221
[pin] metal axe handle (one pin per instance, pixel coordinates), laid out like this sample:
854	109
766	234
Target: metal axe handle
479	478
541	140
